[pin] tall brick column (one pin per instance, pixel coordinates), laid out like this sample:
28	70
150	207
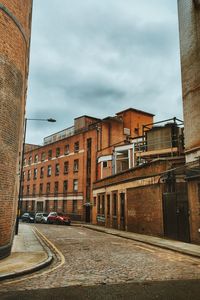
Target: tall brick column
189	27
15	28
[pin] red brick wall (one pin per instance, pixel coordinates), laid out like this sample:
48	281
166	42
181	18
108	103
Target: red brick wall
133	119
144	210
194	207
189	20
104	136
15	21
140	171
81	174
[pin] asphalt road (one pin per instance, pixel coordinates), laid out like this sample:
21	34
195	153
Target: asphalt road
94	265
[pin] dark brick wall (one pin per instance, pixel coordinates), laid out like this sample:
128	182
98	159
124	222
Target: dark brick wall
144	210
15	20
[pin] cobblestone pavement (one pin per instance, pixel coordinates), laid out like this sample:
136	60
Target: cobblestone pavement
91	258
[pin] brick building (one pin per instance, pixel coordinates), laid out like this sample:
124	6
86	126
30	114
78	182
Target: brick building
151	197
15	27
59	175
189	28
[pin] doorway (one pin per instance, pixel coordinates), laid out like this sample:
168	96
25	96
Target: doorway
176	214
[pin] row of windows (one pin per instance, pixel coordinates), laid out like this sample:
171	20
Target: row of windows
101	204
48	155
31	205
48	187
49	170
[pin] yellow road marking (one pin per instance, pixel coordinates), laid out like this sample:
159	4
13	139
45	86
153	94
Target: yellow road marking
145	249
45	272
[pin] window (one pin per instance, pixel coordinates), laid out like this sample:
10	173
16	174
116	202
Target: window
29	175
122	205
43	155
28	189
32	205
36	158
24	162
74	207
48	187
76	147
76	163
66	167
23	176
49	154
34	189
41	188
95	200
75	185
103	205
114	204
65	186
55	206
49	171
105	164
66	150
41	172
30	160
57	152
57	169
122	160
98	205
56	187
108	205
35	174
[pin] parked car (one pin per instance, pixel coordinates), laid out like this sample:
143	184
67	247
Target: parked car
28	217
58	218
41	217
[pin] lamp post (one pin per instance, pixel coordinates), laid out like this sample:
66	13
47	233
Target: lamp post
21	171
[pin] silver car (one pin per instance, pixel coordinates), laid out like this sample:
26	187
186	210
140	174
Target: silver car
41	217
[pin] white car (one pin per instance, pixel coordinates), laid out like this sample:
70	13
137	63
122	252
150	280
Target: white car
41	217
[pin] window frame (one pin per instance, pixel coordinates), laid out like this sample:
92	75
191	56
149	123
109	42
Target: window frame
76	146
75	184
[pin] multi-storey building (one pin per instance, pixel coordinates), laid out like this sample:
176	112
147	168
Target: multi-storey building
59	175
15	30
147	194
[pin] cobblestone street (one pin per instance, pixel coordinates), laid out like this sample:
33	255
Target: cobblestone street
88	258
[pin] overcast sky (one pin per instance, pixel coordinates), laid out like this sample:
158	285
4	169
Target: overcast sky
98	57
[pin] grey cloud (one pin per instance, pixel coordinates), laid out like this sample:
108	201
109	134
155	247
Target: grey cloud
98	57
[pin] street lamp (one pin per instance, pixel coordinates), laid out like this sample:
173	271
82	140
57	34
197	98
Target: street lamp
21	171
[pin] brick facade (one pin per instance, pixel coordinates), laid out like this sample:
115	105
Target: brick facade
96	139
189	27
15	26
144	210
133	200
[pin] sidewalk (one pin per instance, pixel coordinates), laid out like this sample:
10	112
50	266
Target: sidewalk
28	254
184	248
